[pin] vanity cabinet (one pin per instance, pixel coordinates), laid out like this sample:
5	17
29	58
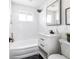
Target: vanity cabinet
49	43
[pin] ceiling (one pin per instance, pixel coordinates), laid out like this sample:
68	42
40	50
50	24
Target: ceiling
32	3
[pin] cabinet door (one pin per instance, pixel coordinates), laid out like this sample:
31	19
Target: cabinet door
52	45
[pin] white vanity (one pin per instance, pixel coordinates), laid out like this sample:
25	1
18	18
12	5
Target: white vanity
48	44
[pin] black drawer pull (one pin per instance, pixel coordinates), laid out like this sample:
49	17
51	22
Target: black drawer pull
42	45
42	39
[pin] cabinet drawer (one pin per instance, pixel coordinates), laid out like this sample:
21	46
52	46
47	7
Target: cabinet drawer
42	45
42	39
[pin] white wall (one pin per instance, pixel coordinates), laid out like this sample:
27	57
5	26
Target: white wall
62	28
24	30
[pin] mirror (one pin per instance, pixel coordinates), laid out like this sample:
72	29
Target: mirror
53	13
67	16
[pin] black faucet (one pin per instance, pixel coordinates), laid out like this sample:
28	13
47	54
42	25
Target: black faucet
11	39
51	32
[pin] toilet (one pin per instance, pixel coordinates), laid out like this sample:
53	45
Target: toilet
65	51
56	56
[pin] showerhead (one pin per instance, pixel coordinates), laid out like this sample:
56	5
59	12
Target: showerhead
39	10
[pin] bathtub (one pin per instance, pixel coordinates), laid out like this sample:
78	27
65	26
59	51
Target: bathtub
21	49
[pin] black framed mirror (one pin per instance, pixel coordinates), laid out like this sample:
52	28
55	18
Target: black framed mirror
67	16
53	13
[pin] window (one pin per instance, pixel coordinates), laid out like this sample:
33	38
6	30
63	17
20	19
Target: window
25	17
29	18
22	17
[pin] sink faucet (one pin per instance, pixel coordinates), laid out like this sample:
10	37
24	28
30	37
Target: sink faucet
51	32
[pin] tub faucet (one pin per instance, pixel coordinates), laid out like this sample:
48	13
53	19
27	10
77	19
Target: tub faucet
11	39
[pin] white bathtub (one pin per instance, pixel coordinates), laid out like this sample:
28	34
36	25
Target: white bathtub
21	49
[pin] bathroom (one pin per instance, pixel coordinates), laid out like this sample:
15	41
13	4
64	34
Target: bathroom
34	34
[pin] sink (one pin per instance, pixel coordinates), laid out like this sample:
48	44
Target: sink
49	35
